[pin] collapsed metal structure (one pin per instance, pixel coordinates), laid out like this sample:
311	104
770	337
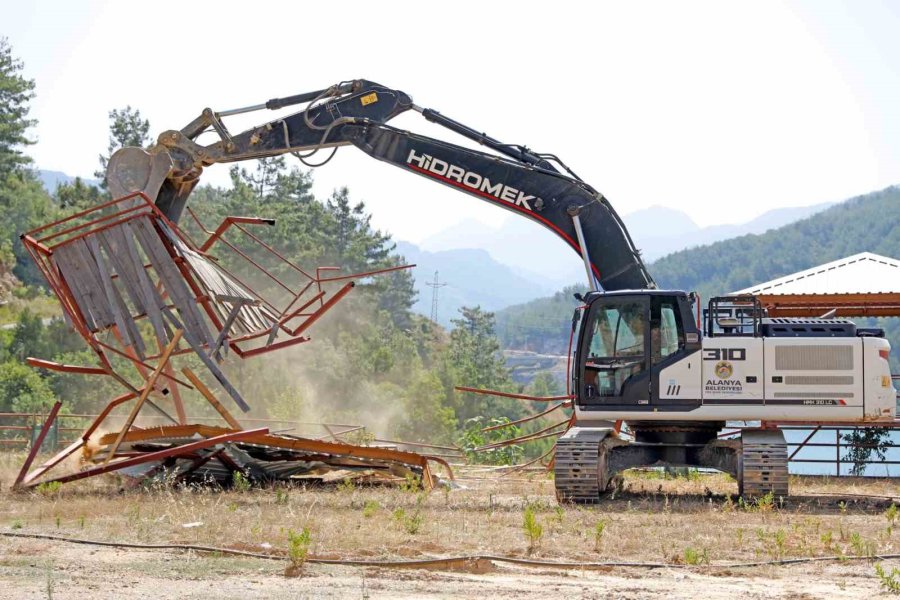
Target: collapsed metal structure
141	292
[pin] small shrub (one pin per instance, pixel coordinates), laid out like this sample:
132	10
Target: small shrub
346	486
17	524
533	529
860	546
780	537
696	557
281	496
891	515
298	550
766	503
49	488
560	514
889	581
599	528
370	508
827	540
410	523
239	482
413	524
412	483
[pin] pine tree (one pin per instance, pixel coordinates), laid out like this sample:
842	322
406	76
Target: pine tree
15	94
126	128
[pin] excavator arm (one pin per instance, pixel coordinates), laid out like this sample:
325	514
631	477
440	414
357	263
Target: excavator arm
537	186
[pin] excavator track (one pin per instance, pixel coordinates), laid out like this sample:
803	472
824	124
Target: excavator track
763	465
579	467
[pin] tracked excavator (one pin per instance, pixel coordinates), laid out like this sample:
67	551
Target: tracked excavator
640	357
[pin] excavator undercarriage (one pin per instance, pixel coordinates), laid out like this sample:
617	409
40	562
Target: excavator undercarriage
589	461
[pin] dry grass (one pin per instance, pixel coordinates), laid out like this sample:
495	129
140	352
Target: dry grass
653	519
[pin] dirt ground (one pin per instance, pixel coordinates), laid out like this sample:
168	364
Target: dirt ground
693	526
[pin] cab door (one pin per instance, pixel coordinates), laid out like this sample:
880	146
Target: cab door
615	369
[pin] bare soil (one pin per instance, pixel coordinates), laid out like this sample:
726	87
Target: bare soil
693	525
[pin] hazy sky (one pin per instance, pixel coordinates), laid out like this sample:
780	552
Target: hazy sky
722	110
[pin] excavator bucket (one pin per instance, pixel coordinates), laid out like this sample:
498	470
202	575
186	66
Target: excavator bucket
136	170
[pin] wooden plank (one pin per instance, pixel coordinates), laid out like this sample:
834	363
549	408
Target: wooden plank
223	289
91	277
210	363
148	387
112	242
214	351
173	282
62	259
152	301
201	387
176	397
124	321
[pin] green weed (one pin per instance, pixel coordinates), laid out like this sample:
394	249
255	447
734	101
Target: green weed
765	503
599	528
891	515
50	488
889	581
370	508
693	556
412	483
346	486
298	550
239	482
780	543
860	546
411	523
533	530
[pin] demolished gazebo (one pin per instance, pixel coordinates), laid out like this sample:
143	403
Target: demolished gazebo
141	292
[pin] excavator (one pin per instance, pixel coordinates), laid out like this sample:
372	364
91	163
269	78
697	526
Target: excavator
642	356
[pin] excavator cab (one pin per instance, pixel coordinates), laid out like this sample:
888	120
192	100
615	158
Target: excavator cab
626	339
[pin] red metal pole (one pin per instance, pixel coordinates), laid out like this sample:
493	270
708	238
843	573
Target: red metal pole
37	444
463	388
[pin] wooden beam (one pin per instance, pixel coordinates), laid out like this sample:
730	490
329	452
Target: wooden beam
201	387
148	387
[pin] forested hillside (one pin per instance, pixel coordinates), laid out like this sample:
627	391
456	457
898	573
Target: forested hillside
866	223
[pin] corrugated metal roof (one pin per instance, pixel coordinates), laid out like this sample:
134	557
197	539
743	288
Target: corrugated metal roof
863	273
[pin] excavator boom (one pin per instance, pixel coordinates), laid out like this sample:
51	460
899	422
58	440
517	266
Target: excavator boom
537	186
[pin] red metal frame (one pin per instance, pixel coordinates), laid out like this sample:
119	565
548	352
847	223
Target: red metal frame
160	454
311	302
35	448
